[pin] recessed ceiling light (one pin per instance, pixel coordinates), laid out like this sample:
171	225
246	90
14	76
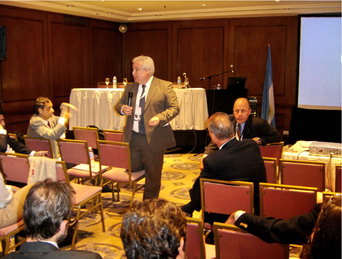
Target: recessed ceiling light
204	5
139	9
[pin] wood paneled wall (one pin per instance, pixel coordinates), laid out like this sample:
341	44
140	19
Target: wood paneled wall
49	54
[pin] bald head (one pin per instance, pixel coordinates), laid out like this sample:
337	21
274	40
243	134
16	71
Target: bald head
242	110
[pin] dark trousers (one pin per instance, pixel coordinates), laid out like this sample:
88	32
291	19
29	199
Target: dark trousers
143	157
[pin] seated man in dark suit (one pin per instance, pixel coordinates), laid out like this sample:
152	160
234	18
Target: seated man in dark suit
10	145
46	212
233	161
246	126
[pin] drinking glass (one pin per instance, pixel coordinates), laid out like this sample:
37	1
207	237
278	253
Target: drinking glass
124	81
107	81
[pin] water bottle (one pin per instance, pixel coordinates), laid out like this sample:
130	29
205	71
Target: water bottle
179	82
91	155
115	82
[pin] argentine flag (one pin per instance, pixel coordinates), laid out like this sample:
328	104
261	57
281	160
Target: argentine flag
267	107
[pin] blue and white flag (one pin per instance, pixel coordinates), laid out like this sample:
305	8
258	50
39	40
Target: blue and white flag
267	107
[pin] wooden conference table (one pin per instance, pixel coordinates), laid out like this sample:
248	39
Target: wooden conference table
95	107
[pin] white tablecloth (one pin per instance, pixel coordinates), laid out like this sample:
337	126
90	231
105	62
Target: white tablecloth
330	163
95	107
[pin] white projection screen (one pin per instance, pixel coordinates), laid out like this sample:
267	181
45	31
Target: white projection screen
319	81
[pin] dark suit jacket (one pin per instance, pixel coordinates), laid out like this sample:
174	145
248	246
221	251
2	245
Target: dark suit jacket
45	250
295	230
236	161
161	101
254	127
17	146
257	127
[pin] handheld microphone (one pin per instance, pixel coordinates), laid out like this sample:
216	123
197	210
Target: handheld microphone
130	97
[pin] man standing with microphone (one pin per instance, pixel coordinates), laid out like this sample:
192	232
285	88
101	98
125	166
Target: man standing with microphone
150	104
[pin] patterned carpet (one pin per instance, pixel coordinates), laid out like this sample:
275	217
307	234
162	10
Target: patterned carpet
178	175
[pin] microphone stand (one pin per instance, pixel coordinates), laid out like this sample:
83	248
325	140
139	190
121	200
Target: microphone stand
214	75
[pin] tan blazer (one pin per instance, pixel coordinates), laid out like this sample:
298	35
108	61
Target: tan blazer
161	101
38	129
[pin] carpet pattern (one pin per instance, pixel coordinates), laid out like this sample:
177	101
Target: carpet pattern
179	173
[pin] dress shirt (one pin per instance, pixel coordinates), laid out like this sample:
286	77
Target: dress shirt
147	88
242	128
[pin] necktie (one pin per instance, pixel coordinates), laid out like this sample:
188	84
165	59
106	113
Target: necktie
238	131
142	106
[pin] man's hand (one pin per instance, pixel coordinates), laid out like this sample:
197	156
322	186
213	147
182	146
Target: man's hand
231	219
65	110
41	153
154	121
127	110
257	140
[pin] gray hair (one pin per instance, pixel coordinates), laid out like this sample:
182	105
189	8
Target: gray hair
220	125
147	63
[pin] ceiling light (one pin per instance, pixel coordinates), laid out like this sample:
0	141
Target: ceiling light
204	5
139	9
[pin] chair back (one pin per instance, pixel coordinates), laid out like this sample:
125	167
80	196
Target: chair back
89	134
39	144
15	166
195	248
271	166
231	242
225	190
285	201
303	173
74	151
114	154
113	135
338	170
61	172
274	150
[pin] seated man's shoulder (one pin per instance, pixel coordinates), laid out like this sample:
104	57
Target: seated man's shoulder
78	253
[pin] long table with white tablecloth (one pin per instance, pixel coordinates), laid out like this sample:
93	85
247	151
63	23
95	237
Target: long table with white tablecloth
95	107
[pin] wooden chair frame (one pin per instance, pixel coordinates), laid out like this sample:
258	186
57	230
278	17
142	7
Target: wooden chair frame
274	161
132	183
282	187
221	226
33	147
90	129
86	206
108	132
229	183
301	162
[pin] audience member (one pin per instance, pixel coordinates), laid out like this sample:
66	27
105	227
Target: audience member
320	229
247	126
325	240
46	212
45	124
9	145
233	161
147	128
154	229
11	203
